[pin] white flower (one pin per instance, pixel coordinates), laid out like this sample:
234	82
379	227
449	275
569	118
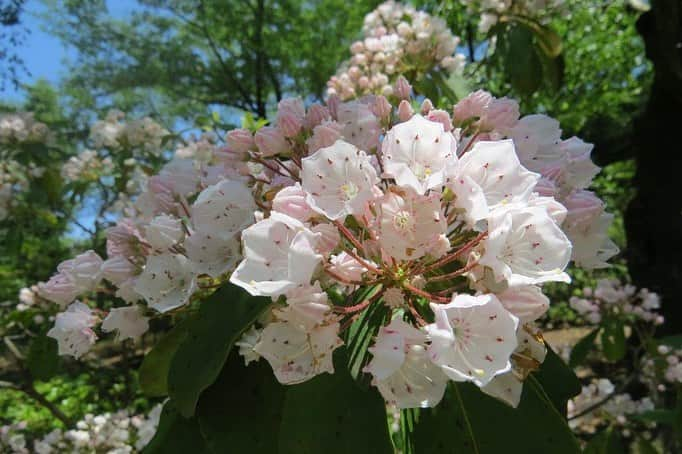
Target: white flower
118	269
537	139
361	127
223	209
279	254
592	246
409	225
296	355
128	321
307	307
527	302
402	370
495	167
525	246
472	338
72	330
212	255
167	281
415	152
339	180
164	231
84	270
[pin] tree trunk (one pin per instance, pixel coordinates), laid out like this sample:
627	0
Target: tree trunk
653	220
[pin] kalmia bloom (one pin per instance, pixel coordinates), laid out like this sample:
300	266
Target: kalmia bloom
437	231
398	39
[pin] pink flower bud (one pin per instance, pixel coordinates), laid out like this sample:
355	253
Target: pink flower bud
118	270
502	114
333	105
60	289
290	116
124	239
427	106
329	238
363	82
442	117
324	135
381	108
240	140
292	201
270	141
402	88
405	111
357	47
473	106
347	267
317	113
354	72
84	270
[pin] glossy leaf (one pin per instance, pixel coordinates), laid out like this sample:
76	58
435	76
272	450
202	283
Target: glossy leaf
557	380
521	60
242	410
199	359
582	348
176	435
468	421
331	414
42	360
153	372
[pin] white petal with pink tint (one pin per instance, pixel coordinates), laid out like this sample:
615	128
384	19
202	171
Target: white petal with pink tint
409	225
279	254
495	167
415	153
339	180
223	209
525	246
472	338
296	355
527	302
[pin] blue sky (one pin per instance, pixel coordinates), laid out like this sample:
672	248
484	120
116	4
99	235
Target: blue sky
44	55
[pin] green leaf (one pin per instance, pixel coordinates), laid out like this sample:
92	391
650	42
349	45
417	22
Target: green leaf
557	380
153	372
553	70
199	359
606	442
658	416
176	435
43	360
330	414
242	410
468	421
582	348
521	61
613	340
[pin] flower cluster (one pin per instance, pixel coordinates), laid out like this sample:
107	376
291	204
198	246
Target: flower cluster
565	167
430	223
586	416
21	127
86	166
492	10
398	39
144	135
610	298
118	433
